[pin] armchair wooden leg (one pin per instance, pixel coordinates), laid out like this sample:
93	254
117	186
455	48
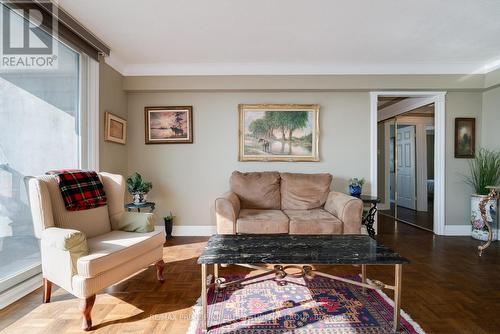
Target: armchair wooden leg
86	308
47	290
160	265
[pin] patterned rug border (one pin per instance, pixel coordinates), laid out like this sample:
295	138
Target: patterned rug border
196	313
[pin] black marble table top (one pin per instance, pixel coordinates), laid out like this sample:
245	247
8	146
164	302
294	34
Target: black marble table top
297	249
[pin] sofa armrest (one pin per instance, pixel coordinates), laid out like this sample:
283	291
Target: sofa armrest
227	210
346	208
71	244
139	222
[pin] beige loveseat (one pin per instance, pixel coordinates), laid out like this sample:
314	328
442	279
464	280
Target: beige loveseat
273	202
86	251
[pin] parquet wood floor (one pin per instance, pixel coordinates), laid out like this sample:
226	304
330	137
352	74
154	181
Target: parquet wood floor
447	288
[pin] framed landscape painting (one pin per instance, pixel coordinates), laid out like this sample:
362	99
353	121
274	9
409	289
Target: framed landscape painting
115	128
169	125
465	137
279	132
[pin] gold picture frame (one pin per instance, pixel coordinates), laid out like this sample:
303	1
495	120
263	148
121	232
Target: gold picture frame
115	128
268	133
168	125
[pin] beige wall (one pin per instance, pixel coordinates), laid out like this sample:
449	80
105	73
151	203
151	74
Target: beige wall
187	178
457	193
491	119
112	98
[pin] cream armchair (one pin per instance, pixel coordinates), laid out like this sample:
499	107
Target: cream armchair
85	251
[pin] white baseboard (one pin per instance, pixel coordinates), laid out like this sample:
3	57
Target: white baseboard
457	230
20	290
194	231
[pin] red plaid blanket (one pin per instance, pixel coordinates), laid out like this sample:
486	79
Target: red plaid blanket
81	190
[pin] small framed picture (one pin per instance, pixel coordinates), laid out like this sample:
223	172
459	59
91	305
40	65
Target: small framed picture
169	125
465	137
115	128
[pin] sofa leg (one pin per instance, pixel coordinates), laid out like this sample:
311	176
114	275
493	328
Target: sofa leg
86	305
47	290
160	265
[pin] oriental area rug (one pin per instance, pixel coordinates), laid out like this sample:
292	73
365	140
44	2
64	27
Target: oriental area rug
267	305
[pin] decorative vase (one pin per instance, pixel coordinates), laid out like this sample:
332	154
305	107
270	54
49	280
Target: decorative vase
139	198
479	229
169	222
355	190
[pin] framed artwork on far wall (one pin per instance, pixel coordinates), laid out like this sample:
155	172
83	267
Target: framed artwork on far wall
465	137
279	132
115	128
168	125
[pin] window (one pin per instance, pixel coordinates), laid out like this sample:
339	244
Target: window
45	124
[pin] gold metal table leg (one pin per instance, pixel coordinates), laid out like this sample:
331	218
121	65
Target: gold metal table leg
397	296
204	315
363	276
216	270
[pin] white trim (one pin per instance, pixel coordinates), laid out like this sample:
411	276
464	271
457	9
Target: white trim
287	68
20	290
438	97
194	231
457	230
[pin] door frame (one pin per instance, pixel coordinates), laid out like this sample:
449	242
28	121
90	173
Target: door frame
438	97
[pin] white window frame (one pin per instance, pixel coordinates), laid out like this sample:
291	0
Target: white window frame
89	113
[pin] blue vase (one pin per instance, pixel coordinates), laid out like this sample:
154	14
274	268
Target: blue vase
355	190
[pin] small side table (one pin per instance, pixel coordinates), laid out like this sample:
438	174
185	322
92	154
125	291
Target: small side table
132	206
369	218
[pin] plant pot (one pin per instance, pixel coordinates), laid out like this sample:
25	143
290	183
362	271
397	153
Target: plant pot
355	190
169	223
479	229
139	198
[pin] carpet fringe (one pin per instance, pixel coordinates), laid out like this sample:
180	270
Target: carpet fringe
405	315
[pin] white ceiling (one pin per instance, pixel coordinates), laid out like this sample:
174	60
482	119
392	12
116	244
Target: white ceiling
203	37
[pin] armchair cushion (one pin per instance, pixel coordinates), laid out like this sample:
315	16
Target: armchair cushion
72	241
116	248
137	222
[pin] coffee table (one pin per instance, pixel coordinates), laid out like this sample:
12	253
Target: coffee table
255	251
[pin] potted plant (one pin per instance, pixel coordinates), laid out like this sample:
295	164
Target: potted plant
169	222
356	186
138	188
484	172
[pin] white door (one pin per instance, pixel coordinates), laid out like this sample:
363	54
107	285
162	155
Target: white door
406	167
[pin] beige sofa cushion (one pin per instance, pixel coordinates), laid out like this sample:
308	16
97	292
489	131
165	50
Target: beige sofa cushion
117	248
304	191
315	221
253	221
259	190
